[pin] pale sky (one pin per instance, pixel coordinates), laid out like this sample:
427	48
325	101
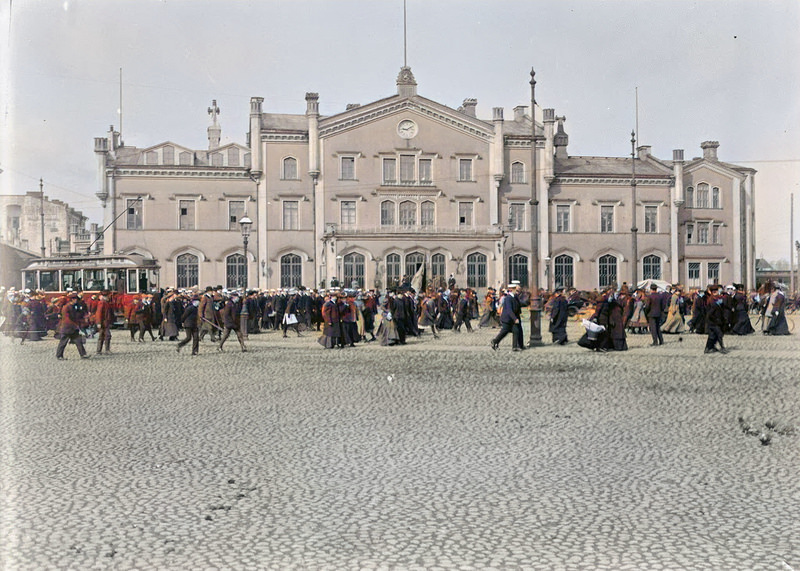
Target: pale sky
705	70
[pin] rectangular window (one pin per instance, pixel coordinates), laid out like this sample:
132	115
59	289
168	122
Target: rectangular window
389	171
715	197
606	219
290	215
516	216
702	232
425	170
715	228
348	168
348	212
690	233
562	217
235	213
407	169
465	170
186	215
713	272
693	274
465	214
134	214
650	219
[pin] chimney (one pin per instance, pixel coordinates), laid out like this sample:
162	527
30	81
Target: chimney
643	151
677	173
710	150
561	139
519	113
468	106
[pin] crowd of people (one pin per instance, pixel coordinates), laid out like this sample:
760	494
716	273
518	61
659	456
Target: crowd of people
344	317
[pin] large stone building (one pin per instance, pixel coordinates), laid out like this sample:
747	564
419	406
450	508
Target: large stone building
369	194
33	222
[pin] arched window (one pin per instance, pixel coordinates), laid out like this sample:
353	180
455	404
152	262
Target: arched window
291	271
715	197
427	213
353	270
701	197
235	271
564	271
651	267
518	269
689	197
476	270
408	213
413	263
187	269
393	270
387	213
289	168
438	268
517	173
607	266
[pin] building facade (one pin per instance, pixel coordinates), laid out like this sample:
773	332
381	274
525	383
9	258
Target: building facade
61	230
366	196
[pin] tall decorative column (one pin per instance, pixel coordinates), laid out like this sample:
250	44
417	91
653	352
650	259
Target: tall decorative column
676	201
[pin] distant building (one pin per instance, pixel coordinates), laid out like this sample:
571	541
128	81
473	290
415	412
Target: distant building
370	194
64	227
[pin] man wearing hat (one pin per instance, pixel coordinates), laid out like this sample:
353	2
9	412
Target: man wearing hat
510	321
70	326
558	316
190	326
655	308
231	320
104	319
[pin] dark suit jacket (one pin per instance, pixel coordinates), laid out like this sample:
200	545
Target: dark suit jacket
511	309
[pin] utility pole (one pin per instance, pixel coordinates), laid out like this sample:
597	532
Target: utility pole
41	211
536	300
791	244
634	229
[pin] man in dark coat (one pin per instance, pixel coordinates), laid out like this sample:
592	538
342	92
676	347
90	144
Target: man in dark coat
70	326
558	317
463	313
510	321
189	317
655	307
231	321
715	321
332	334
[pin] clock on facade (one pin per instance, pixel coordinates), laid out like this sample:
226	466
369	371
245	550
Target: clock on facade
407	129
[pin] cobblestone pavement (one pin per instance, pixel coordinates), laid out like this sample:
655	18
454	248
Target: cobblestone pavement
441	454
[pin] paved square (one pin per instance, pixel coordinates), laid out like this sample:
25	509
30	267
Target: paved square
435	455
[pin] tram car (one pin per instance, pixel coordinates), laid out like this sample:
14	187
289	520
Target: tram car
123	275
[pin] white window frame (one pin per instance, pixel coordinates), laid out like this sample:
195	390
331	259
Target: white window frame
341	212
467	223
384	161
283	168
715	190
569	218
471	162
296	224
523	173
644	212
194	208
613	218
710	279
422	214
342	160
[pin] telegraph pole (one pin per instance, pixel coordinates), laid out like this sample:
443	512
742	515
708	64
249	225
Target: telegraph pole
634	229
41	211
536	300
791	243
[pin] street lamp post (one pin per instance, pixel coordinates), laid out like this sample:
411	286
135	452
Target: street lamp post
245	224
535	339
634	229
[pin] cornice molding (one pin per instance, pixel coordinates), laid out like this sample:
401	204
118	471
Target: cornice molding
611	180
180	173
284	137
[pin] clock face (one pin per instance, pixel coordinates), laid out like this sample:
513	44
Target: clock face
407	129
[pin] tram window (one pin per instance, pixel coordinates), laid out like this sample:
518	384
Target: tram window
47	281
71	279
94	279
30	280
133	282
